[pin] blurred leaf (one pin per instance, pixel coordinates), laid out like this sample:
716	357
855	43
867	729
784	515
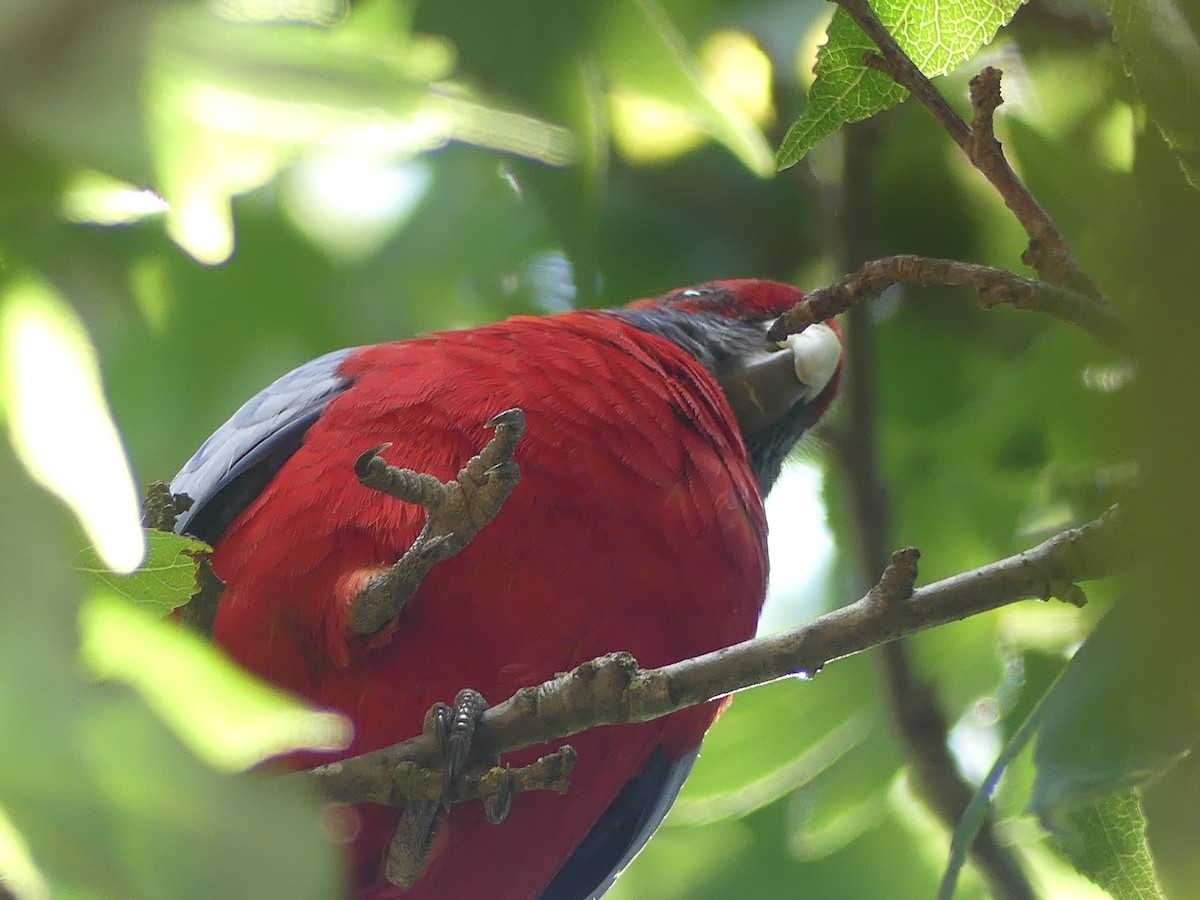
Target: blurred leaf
164	582
845	801
234	103
70	78
1107	842
50	389
645	56
978	809
109	802
18	872
227	716
776	738
1160	49
1125	709
938	35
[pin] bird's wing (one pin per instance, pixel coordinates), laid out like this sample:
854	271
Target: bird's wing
622	831
239	458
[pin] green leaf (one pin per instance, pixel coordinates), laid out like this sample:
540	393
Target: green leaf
1125	709
779	737
977	810
643	54
227	716
1108	844
164	582
108	801
938	35
233	104
1161	52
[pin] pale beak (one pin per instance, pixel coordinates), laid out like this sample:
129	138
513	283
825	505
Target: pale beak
766	386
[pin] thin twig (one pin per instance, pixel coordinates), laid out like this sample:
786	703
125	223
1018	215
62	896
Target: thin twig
613	690
911	700
1047	253
995	286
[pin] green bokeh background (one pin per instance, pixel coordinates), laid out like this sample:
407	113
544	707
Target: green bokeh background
396	168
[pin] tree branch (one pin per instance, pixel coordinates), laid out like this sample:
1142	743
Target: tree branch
1047	253
912	701
612	689
995	286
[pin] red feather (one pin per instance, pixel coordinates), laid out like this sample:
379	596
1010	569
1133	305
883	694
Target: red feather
638	525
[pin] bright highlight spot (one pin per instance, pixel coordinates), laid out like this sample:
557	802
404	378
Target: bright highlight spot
349	204
313	12
800	546
59	422
646	130
737	69
734	72
1115	136
806	52
17	870
224	714
93	198
202	224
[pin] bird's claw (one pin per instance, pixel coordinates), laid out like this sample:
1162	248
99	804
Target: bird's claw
455	512
454	728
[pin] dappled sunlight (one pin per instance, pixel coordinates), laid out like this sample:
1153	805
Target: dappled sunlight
93	198
312	12
18	872
59	423
733	70
232	105
350	203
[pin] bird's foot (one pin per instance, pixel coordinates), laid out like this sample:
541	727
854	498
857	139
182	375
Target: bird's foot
454	727
455	513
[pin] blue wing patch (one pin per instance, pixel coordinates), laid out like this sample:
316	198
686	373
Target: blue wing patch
233	466
622	831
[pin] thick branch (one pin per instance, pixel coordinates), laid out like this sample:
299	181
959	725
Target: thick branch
1048	253
995	286
612	689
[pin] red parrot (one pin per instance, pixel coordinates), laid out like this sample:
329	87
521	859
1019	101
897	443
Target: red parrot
653	433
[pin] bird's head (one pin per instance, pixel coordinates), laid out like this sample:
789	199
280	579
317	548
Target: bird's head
776	390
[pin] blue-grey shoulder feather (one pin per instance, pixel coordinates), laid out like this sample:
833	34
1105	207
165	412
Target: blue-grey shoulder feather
239	458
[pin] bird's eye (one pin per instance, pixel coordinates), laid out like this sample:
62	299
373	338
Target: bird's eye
690	292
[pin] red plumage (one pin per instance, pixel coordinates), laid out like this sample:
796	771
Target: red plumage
638	525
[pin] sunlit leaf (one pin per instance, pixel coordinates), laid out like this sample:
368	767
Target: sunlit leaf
775	739
233	104
18	873
1108	844
227	716
938	35
109	801
1161	51
166	579
59	422
645	57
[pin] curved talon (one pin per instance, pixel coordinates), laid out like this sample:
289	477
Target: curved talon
437	723
362	465
507	471
497	806
512	418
